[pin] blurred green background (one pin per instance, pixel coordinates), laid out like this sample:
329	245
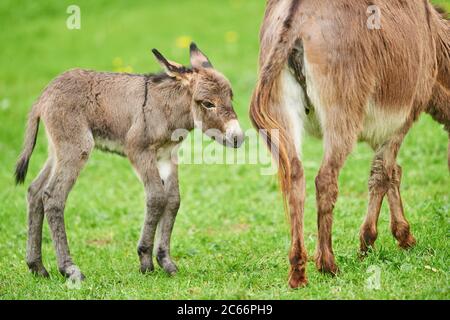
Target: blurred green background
231	237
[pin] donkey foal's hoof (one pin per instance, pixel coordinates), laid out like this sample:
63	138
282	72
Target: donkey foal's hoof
147	268
170	268
38	269
73	273
167	264
42	273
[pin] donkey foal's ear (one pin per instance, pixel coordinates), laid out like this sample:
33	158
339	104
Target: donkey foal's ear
173	69
198	59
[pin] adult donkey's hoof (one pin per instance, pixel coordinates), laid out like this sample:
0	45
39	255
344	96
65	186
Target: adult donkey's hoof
407	242
326	264
297	279
402	232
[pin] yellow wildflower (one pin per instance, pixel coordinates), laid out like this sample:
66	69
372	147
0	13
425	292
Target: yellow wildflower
231	37
183	42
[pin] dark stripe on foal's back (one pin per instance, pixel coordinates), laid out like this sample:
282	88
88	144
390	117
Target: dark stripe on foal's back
146	81
144	104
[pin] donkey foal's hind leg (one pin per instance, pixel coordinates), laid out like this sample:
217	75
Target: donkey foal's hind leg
70	160
35	221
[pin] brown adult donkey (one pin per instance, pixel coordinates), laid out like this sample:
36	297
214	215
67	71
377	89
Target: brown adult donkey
134	116
328	69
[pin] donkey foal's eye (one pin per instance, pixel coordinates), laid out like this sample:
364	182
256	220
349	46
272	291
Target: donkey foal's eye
208	105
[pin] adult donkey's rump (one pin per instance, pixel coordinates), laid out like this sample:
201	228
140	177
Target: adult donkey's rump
131	115
323	69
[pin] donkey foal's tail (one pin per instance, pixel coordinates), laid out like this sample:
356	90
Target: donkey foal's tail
29	144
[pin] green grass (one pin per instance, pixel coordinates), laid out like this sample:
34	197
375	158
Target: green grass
231	237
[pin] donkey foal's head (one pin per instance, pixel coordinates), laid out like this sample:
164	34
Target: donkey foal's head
212	96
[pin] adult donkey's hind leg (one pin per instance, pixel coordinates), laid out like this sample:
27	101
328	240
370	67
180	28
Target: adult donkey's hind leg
377	190
282	123
292	117
340	135
399	225
35	221
385	180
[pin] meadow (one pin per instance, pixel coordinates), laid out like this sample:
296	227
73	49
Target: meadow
231	237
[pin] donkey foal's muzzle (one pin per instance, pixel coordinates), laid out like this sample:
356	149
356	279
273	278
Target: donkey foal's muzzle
234	135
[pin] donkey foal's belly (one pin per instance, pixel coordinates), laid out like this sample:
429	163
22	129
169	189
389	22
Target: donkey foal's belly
166	157
109	146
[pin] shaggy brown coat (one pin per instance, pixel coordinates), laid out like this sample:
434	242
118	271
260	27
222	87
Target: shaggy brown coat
324	71
135	116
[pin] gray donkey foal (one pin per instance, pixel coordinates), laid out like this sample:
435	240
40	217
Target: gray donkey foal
134	116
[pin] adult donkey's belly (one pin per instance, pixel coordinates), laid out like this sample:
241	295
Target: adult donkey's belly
302	102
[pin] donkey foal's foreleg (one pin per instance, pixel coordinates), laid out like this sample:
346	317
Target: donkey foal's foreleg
156	203
35	221
145	165
165	226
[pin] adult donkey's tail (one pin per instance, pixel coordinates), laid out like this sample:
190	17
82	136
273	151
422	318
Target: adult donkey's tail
443	48
439	109
29	144
439	106
269	116
266	98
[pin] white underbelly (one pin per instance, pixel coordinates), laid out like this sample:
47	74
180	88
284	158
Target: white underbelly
167	160
381	125
378	127
166	156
